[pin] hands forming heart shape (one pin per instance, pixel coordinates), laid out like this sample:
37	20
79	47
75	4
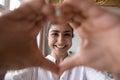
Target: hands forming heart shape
98	29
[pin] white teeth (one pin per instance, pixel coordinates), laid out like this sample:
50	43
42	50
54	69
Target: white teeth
61	46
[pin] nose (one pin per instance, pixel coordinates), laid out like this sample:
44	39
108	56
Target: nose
61	39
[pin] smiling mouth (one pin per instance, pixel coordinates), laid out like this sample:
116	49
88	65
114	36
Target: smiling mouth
60	47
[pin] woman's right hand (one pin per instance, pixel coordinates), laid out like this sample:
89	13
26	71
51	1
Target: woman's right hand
18	34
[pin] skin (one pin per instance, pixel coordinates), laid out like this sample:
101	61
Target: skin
99	31
18	33
59	41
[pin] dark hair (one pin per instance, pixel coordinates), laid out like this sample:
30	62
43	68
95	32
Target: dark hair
49	26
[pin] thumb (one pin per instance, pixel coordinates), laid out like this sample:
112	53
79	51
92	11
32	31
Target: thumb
47	64
69	63
36	59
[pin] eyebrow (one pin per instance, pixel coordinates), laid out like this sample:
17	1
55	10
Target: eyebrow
54	31
68	31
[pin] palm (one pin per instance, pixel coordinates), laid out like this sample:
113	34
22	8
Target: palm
99	31
98	41
18	38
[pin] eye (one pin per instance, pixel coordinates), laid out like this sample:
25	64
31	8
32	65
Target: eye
54	34
67	34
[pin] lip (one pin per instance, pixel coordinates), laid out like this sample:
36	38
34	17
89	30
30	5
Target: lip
60	47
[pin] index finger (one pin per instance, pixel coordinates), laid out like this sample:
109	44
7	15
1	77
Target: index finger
86	7
69	63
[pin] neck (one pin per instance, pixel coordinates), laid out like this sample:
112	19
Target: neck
59	58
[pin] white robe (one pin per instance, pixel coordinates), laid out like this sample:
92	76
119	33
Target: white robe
76	73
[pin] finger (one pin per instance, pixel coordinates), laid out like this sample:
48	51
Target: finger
75	25
49	12
38	25
79	29
69	63
27	11
37	6
86	7
38	60
46	64
66	13
70	13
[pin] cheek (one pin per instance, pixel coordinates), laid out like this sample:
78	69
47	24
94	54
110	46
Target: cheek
51	41
69	41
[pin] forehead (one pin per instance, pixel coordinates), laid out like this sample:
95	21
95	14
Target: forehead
61	28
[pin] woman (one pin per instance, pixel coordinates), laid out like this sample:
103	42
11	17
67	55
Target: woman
59	41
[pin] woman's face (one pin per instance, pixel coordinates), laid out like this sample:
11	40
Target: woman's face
60	39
